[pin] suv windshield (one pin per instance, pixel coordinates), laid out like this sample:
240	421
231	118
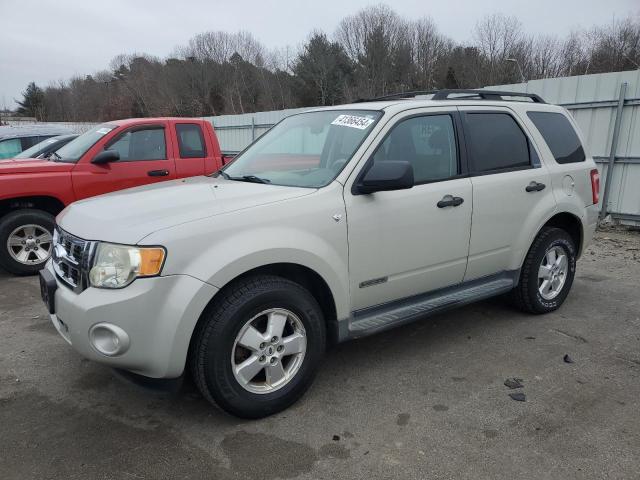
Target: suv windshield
77	147
304	150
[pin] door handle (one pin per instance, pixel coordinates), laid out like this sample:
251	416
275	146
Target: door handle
450	201
535	187
158	173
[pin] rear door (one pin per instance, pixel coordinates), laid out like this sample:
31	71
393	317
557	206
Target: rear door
511	189
144	159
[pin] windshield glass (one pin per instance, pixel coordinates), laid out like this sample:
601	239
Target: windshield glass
305	150
34	151
77	147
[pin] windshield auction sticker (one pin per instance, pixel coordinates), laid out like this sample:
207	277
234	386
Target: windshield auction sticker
353	121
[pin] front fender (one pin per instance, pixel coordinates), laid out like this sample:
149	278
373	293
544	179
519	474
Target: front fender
302	231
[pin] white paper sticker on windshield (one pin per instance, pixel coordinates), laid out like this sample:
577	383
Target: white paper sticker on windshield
353	121
103	131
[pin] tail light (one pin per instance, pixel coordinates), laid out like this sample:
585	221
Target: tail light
595	185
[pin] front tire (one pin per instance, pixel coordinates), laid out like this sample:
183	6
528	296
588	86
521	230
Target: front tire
26	241
547	273
258	346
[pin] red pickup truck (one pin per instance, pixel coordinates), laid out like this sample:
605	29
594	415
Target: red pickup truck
111	156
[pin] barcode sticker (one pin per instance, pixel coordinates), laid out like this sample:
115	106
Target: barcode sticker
353	121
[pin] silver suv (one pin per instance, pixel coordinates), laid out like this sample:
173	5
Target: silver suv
337	223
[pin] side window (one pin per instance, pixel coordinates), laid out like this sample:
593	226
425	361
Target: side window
28	142
559	135
140	144
428	143
9	148
496	142
190	141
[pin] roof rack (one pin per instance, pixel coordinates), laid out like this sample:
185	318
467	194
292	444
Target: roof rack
459	95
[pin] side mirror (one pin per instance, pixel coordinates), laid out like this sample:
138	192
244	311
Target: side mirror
386	175
106	156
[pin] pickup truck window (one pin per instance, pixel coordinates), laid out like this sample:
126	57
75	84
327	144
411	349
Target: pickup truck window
305	150
140	144
190	140
427	142
76	148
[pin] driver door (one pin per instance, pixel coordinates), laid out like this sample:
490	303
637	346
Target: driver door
403	243
144	159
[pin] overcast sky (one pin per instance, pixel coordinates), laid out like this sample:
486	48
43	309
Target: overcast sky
46	40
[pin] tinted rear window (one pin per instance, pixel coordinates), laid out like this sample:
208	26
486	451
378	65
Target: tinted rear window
560	136
496	142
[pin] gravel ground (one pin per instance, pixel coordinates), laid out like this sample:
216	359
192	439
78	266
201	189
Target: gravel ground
424	401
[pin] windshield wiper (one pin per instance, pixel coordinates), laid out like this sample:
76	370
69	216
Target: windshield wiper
57	157
251	178
224	174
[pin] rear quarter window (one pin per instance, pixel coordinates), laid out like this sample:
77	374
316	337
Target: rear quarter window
190	140
560	136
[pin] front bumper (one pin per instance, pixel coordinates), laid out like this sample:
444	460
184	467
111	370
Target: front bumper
158	315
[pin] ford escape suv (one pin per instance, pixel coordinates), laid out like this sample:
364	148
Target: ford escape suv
337	223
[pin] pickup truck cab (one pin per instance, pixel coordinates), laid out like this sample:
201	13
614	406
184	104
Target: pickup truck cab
337	223
111	156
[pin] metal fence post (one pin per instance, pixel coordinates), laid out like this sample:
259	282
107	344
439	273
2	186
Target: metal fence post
253	128
612	151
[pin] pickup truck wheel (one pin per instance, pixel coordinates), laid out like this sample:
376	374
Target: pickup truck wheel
548	272
26	241
258	346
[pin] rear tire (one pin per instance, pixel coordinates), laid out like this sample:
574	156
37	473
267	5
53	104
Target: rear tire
551	259
16	227
249	308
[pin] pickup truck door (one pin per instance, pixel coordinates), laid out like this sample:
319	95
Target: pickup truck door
512	191
144	158
407	242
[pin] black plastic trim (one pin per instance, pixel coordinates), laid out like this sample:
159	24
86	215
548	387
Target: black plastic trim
378	318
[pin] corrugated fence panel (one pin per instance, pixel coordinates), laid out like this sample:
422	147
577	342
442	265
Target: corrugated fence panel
592	100
235	132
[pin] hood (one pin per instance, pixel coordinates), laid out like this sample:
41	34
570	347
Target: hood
32	165
129	215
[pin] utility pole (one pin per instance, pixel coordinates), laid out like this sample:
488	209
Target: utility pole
514	60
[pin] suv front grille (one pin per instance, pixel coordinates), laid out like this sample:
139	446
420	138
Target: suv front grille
71	259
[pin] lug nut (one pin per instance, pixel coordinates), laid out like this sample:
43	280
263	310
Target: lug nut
262	358
262	345
280	348
273	360
274	339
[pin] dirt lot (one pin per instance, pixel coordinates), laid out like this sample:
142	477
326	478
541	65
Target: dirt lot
423	401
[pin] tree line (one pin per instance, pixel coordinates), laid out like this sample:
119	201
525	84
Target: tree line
373	52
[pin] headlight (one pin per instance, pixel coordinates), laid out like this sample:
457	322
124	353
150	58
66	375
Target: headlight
116	266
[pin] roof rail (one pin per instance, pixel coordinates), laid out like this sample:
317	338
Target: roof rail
460	95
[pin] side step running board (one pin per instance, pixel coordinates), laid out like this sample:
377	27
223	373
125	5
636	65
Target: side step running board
382	317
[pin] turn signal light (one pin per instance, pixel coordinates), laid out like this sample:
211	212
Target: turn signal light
150	261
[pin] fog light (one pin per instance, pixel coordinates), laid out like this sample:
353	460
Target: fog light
108	339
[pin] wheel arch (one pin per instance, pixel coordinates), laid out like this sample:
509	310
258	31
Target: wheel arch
295	272
47	203
571	224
